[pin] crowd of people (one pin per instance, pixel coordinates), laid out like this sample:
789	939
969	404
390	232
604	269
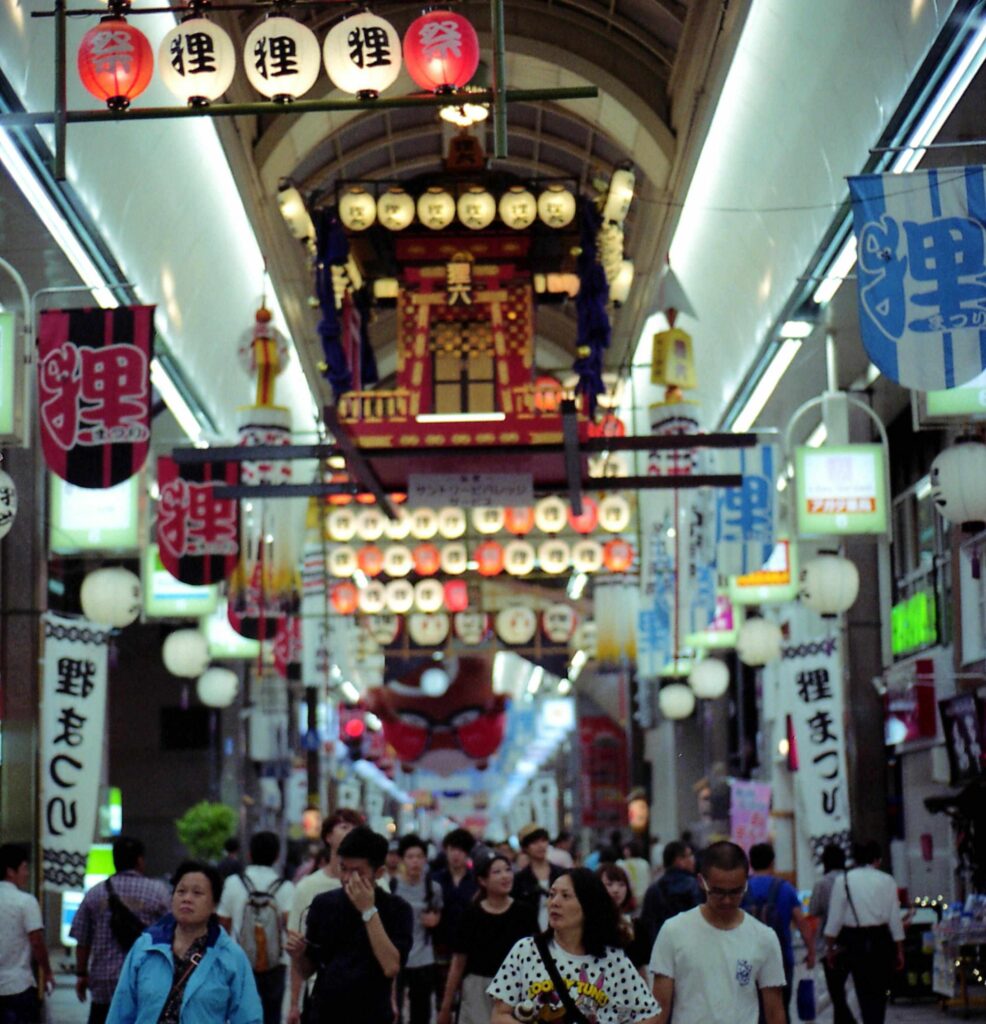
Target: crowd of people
377	931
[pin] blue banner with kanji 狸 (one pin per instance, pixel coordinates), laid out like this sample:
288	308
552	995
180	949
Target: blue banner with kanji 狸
746	528
921	250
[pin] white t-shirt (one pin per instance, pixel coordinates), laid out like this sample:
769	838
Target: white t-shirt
19	916
874	902
234	895
606	989
717	973
305	891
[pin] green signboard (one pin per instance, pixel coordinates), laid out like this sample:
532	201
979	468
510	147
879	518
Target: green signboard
94	519
841	489
224	641
9	378
913	623
168	598
966	400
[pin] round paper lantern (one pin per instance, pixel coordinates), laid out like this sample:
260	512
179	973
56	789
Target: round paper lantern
550	514
619	197
471	627
8	503
488	519
429	595
518	521
558	621
395	209
370	560
397	560
618	555
518	208
456	595
427	559
441	51
436	208
709	679
424	523
428	630
588	520
758	642
454	559
342	562
362	55
399	528
489	558
399	596
371	598
451	522
519	558
554	556
829	584
587	556
342	524
586	638
357	208
676	701
196	60
185	653
607	426
282	58
344	598
369	524
384	629
958	484
111	596
516	625
217	687
556	206
614	513
547	394
476	208
115	62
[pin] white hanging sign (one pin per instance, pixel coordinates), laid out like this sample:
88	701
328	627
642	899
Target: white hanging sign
469	490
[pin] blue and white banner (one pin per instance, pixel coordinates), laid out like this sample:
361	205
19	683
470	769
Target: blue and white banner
746	528
922	274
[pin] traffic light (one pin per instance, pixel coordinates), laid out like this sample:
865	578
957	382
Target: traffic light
352	730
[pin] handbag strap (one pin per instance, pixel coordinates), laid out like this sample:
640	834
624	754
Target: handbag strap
179	985
572	1012
852	906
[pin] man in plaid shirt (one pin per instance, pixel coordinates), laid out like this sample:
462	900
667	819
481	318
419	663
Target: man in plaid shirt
98	956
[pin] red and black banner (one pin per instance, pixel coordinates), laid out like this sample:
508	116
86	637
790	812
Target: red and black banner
94	392
198	534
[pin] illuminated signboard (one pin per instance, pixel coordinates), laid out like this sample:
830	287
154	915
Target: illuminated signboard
777	581
841	489
721	631
94	519
913	623
964	402
10	378
166	598
224	641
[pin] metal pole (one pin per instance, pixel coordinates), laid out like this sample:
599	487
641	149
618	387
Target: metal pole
60	90
499	80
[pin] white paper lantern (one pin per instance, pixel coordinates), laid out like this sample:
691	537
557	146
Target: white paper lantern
342	562
428	630
559	622
516	625
342	524
217	687
759	642
399	596
395	209
586	638
424	523
369	524
111	596
829	584
372	598
362	55
429	595
476	208
519	558
958	483
397	560
454	559
384	628
436	208
518	208
487	519
8	503
709	679
185	653
357	208
471	627
196	60
614	513
399	528
556	206
676	701
554	556
587	556
451	522
282	58
619	287
550	514
619	197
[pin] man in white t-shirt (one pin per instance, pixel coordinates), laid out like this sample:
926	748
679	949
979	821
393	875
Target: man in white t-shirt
21	939
711	963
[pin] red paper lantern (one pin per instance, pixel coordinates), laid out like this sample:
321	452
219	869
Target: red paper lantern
370	560
441	51
427	559
547	394
608	426
617	555
489	557
456	595
115	62
519	521
345	598
586	522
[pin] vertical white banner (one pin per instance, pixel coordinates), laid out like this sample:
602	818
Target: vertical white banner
544	802
73	721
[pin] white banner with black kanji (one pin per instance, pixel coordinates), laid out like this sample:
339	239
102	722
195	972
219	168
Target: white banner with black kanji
73	718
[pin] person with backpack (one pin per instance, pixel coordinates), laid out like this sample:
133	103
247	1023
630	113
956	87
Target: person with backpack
111	917
676	891
775	902
254	910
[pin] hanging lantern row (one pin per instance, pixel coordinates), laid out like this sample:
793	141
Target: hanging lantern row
362	55
476	208
550	516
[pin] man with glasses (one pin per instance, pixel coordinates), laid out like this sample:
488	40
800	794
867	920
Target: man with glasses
711	963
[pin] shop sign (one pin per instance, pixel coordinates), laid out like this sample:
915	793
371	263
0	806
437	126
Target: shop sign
721	631
841	489
962	723
470	490
913	623
909	712
168	598
777	581
749	812
966	400
94	519
224	641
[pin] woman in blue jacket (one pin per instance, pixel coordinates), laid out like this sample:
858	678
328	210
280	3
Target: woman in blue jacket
185	969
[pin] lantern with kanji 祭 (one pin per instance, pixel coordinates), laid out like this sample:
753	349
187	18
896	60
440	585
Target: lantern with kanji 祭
609	425
519	521
282	58
427	560
115	62
363	55
617	555
370	560
344	598
197	60
489	558
586	521
547	394
441	51
456	595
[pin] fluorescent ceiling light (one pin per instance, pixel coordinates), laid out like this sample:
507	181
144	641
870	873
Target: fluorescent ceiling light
564	686
576	585
350	692
796	329
534	683
838	270
579	658
817	437
461	417
771	377
179	408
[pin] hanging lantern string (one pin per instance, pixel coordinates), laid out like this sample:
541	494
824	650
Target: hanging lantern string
95	12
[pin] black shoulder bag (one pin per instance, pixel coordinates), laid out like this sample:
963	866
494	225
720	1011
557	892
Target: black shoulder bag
178	988
125	925
573	1015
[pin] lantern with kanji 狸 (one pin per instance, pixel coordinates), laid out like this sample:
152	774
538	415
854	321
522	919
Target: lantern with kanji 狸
197	60
363	55
282	58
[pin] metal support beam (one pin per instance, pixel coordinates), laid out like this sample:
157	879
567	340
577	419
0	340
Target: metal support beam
358	466
573	458
499	80
61	100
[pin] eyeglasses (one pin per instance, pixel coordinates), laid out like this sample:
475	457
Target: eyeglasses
723	894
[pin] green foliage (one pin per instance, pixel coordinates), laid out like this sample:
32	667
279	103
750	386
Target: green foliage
204	827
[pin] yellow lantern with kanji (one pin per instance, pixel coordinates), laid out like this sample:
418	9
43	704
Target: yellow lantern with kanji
672	361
